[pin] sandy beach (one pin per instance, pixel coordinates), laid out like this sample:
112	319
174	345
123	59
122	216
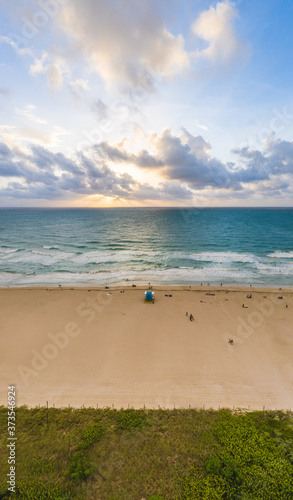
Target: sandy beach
87	346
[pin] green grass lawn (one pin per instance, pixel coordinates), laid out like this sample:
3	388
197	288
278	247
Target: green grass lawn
105	454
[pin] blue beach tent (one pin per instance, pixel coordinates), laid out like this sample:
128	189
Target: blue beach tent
149	296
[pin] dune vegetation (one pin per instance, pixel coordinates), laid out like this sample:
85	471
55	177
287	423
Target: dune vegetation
107	454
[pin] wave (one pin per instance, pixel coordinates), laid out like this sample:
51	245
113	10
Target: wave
223	257
36	257
7	250
50	265
281	255
181	275
39	253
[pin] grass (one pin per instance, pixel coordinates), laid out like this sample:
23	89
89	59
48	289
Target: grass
130	454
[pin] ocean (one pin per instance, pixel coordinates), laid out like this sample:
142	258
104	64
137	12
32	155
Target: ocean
120	246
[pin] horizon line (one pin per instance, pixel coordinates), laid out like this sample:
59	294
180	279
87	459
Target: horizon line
142	207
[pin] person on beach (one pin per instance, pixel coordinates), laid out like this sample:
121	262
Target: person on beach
231	341
191	317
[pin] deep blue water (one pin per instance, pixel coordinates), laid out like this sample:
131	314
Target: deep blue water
158	245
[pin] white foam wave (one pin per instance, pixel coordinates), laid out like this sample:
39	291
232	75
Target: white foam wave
281	255
99	256
140	266
39	253
170	276
8	250
124	256
37	257
285	269
120	276
224	257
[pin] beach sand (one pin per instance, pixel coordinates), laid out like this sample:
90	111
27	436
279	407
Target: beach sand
81	346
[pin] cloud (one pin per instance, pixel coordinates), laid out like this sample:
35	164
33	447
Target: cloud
182	158
187	159
276	161
10	134
41	174
54	75
129	44
124	40
184	163
27	112
77	88
215	28
118	154
20	51
52	68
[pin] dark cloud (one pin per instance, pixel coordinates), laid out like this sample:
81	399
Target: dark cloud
276	160
101	110
118	154
183	162
183	159
187	159
4	151
46	175
45	159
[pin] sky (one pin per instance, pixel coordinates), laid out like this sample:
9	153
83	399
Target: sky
123	103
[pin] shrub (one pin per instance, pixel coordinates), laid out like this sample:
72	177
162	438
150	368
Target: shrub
208	488
247	464
130	419
91	435
79	467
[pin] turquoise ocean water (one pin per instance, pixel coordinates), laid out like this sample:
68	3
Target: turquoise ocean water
140	245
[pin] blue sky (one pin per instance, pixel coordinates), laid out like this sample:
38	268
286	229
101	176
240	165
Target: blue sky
156	103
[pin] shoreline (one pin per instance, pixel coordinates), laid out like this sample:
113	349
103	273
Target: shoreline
67	346
194	288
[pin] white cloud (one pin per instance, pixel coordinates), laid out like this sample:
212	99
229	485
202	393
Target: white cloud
80	85
54	75
53	69
13	135
16	136
18	50
215	27
27	112
78	88
124	40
